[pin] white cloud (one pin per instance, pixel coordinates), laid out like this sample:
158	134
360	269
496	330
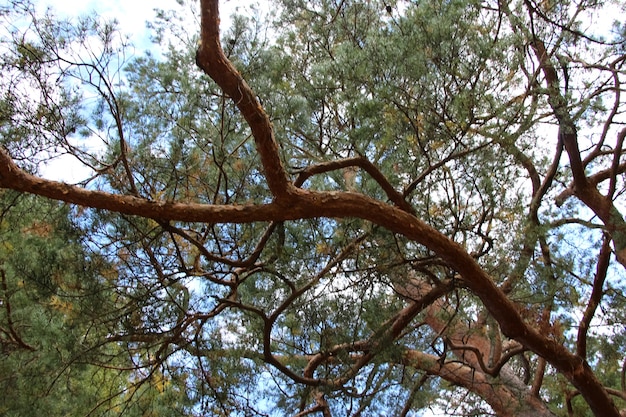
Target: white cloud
131	15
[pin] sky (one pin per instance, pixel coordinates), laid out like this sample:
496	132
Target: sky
125	11
131	16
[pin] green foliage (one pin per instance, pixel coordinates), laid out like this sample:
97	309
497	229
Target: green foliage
54	308
49	294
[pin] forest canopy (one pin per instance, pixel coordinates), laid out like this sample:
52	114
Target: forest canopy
332	207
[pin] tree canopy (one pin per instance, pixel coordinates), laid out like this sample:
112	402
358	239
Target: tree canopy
332	208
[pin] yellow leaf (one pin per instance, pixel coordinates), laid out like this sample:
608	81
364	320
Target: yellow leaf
60	305
322	248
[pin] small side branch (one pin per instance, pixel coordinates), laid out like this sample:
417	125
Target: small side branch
363	163
596	297
16	338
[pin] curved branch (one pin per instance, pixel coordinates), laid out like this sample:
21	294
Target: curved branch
493	370
293	203
387	333
596	296
11	332
361	162
254	256
452	156
586	191
309	204
594	180
503	400
211	59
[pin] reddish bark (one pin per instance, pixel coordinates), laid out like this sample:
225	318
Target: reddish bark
504	399
584	188
210	57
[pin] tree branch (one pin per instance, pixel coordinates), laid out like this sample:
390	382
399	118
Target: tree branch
596	297
7	304
361	162
211	59
504	401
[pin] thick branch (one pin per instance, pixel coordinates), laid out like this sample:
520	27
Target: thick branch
361	162
211	59
592	390
586	191
593	179
504	401
309	204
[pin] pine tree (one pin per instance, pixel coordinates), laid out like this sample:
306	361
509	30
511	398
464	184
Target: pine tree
341	210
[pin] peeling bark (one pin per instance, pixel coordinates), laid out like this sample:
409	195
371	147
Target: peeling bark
500	393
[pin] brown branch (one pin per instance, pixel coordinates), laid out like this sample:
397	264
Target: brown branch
587	192
489	370
568	404
11	176
503	400
596	296
617	393
321	405
7	305
211	59
593	391
617	103
617	153
292	203
612	391
538	379
387	333
252	258
310	204
363	163
567	129
593	179
408	406
452	156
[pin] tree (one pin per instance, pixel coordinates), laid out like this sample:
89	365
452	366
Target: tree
412	201
53	296
36	317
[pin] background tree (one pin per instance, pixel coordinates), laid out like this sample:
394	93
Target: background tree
53	296
413	201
